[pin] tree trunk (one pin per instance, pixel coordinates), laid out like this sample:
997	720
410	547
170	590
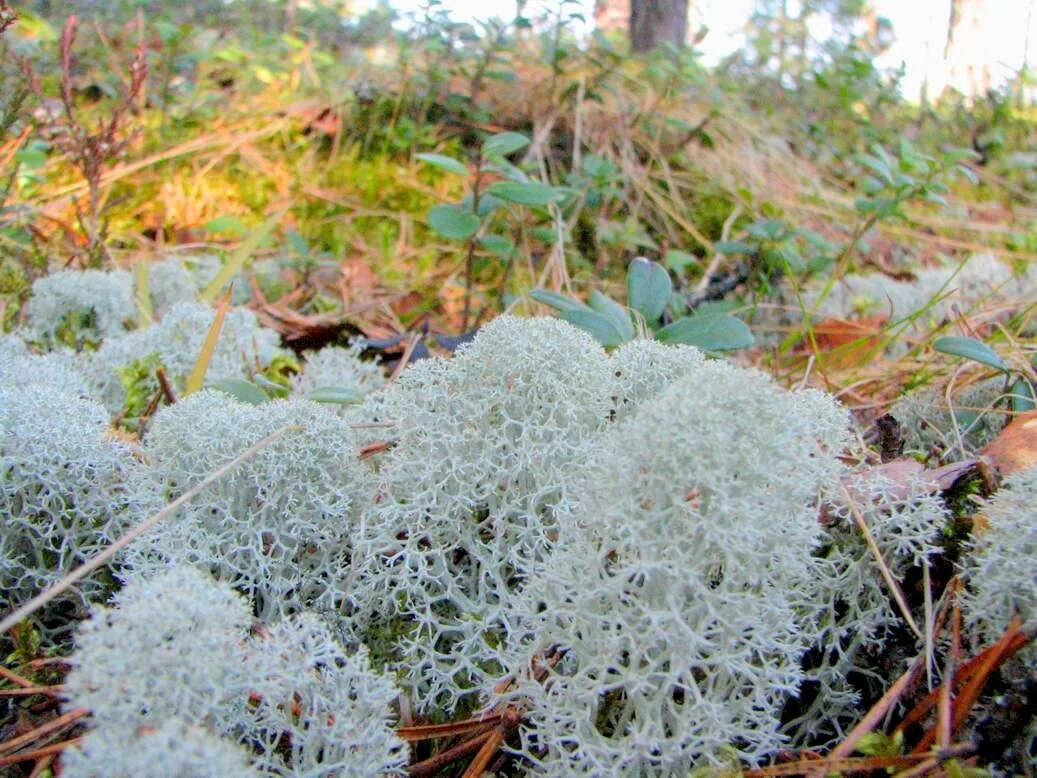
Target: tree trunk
657	22
968	54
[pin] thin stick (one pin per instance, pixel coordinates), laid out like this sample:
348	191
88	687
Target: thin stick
486	753
86	568
14	678
891	582
871	720
29	756
32	691
51	726
408	350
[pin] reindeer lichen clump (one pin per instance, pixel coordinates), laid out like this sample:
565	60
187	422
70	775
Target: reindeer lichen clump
681	588
470	495
279	528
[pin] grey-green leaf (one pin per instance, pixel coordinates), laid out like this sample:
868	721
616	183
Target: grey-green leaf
969	348
503	143
240	389
523	193
601	327
714	332
559	302
443	162
335	395
648	288
454	222
609	307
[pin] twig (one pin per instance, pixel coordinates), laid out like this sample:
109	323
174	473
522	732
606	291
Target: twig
167	388
29	756
86	568
57	690
13	677
408	350
434	764
51	726
868	723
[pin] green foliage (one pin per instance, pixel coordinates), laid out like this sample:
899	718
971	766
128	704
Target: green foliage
649	291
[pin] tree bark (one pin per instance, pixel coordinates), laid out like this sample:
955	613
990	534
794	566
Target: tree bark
657	22
968	53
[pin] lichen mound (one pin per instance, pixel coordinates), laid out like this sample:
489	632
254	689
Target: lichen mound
680	590
79	307
280	526
470	494
66	490
172	748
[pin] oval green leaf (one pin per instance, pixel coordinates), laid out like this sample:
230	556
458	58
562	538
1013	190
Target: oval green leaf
443	162
523	193
335	395
504	143
609	307
719	332
601	327
648	288
453	222
240	389
969	348
559	302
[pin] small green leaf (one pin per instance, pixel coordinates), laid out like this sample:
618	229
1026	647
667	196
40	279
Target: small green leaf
443	162
609	307
231	225
454	222
240	389
498	245
648	288
678	260
1023	397
559	302
527	193
335	395
733	247
719	332
969	348
272	388
601	327
503	143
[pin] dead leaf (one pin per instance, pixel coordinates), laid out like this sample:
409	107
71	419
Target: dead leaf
1015	448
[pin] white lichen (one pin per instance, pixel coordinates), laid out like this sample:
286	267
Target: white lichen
79	307
169	646
280	527
66	490
484	446
333	708
680	590
167	748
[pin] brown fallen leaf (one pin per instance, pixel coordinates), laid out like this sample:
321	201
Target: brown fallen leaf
1015	448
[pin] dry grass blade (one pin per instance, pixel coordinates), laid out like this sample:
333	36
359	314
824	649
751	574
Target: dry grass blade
887	574
105	556
239	256
196	380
